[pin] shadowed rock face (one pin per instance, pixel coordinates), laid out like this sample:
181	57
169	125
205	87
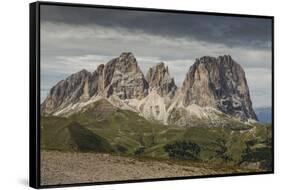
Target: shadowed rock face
219	83
159	79
68	91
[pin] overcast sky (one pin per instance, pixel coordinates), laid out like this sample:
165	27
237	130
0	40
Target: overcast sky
73	39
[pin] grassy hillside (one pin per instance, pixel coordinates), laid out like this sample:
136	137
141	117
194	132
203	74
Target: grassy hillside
102	128
64	135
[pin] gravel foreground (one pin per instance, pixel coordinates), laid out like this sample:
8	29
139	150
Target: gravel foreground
67	167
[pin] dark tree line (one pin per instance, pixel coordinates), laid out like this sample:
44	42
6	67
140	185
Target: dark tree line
183	150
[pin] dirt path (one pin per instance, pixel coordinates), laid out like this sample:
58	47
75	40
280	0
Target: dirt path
67	168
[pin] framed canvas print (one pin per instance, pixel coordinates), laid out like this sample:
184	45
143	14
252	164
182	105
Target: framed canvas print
120	94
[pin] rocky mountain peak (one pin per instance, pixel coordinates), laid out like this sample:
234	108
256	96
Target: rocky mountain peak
219	83
66	91
126	55
127	80
126	62
159	79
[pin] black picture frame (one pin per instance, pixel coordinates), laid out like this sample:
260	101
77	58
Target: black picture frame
34	93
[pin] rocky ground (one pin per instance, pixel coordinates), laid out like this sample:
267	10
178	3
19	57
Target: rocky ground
66	168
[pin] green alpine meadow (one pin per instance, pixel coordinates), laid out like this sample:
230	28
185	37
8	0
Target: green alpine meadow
125	133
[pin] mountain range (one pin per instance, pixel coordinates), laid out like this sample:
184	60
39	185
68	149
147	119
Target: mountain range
264	114
214	90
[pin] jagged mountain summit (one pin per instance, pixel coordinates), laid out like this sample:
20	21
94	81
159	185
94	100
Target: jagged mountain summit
213	87
159	79
219	83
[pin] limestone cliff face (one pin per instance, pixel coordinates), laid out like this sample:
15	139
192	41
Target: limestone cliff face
127	80
219	83
159	79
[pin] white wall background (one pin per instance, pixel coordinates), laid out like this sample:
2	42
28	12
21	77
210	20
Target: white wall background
14	96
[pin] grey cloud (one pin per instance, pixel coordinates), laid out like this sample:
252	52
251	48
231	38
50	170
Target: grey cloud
259	82
68	40
230	31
